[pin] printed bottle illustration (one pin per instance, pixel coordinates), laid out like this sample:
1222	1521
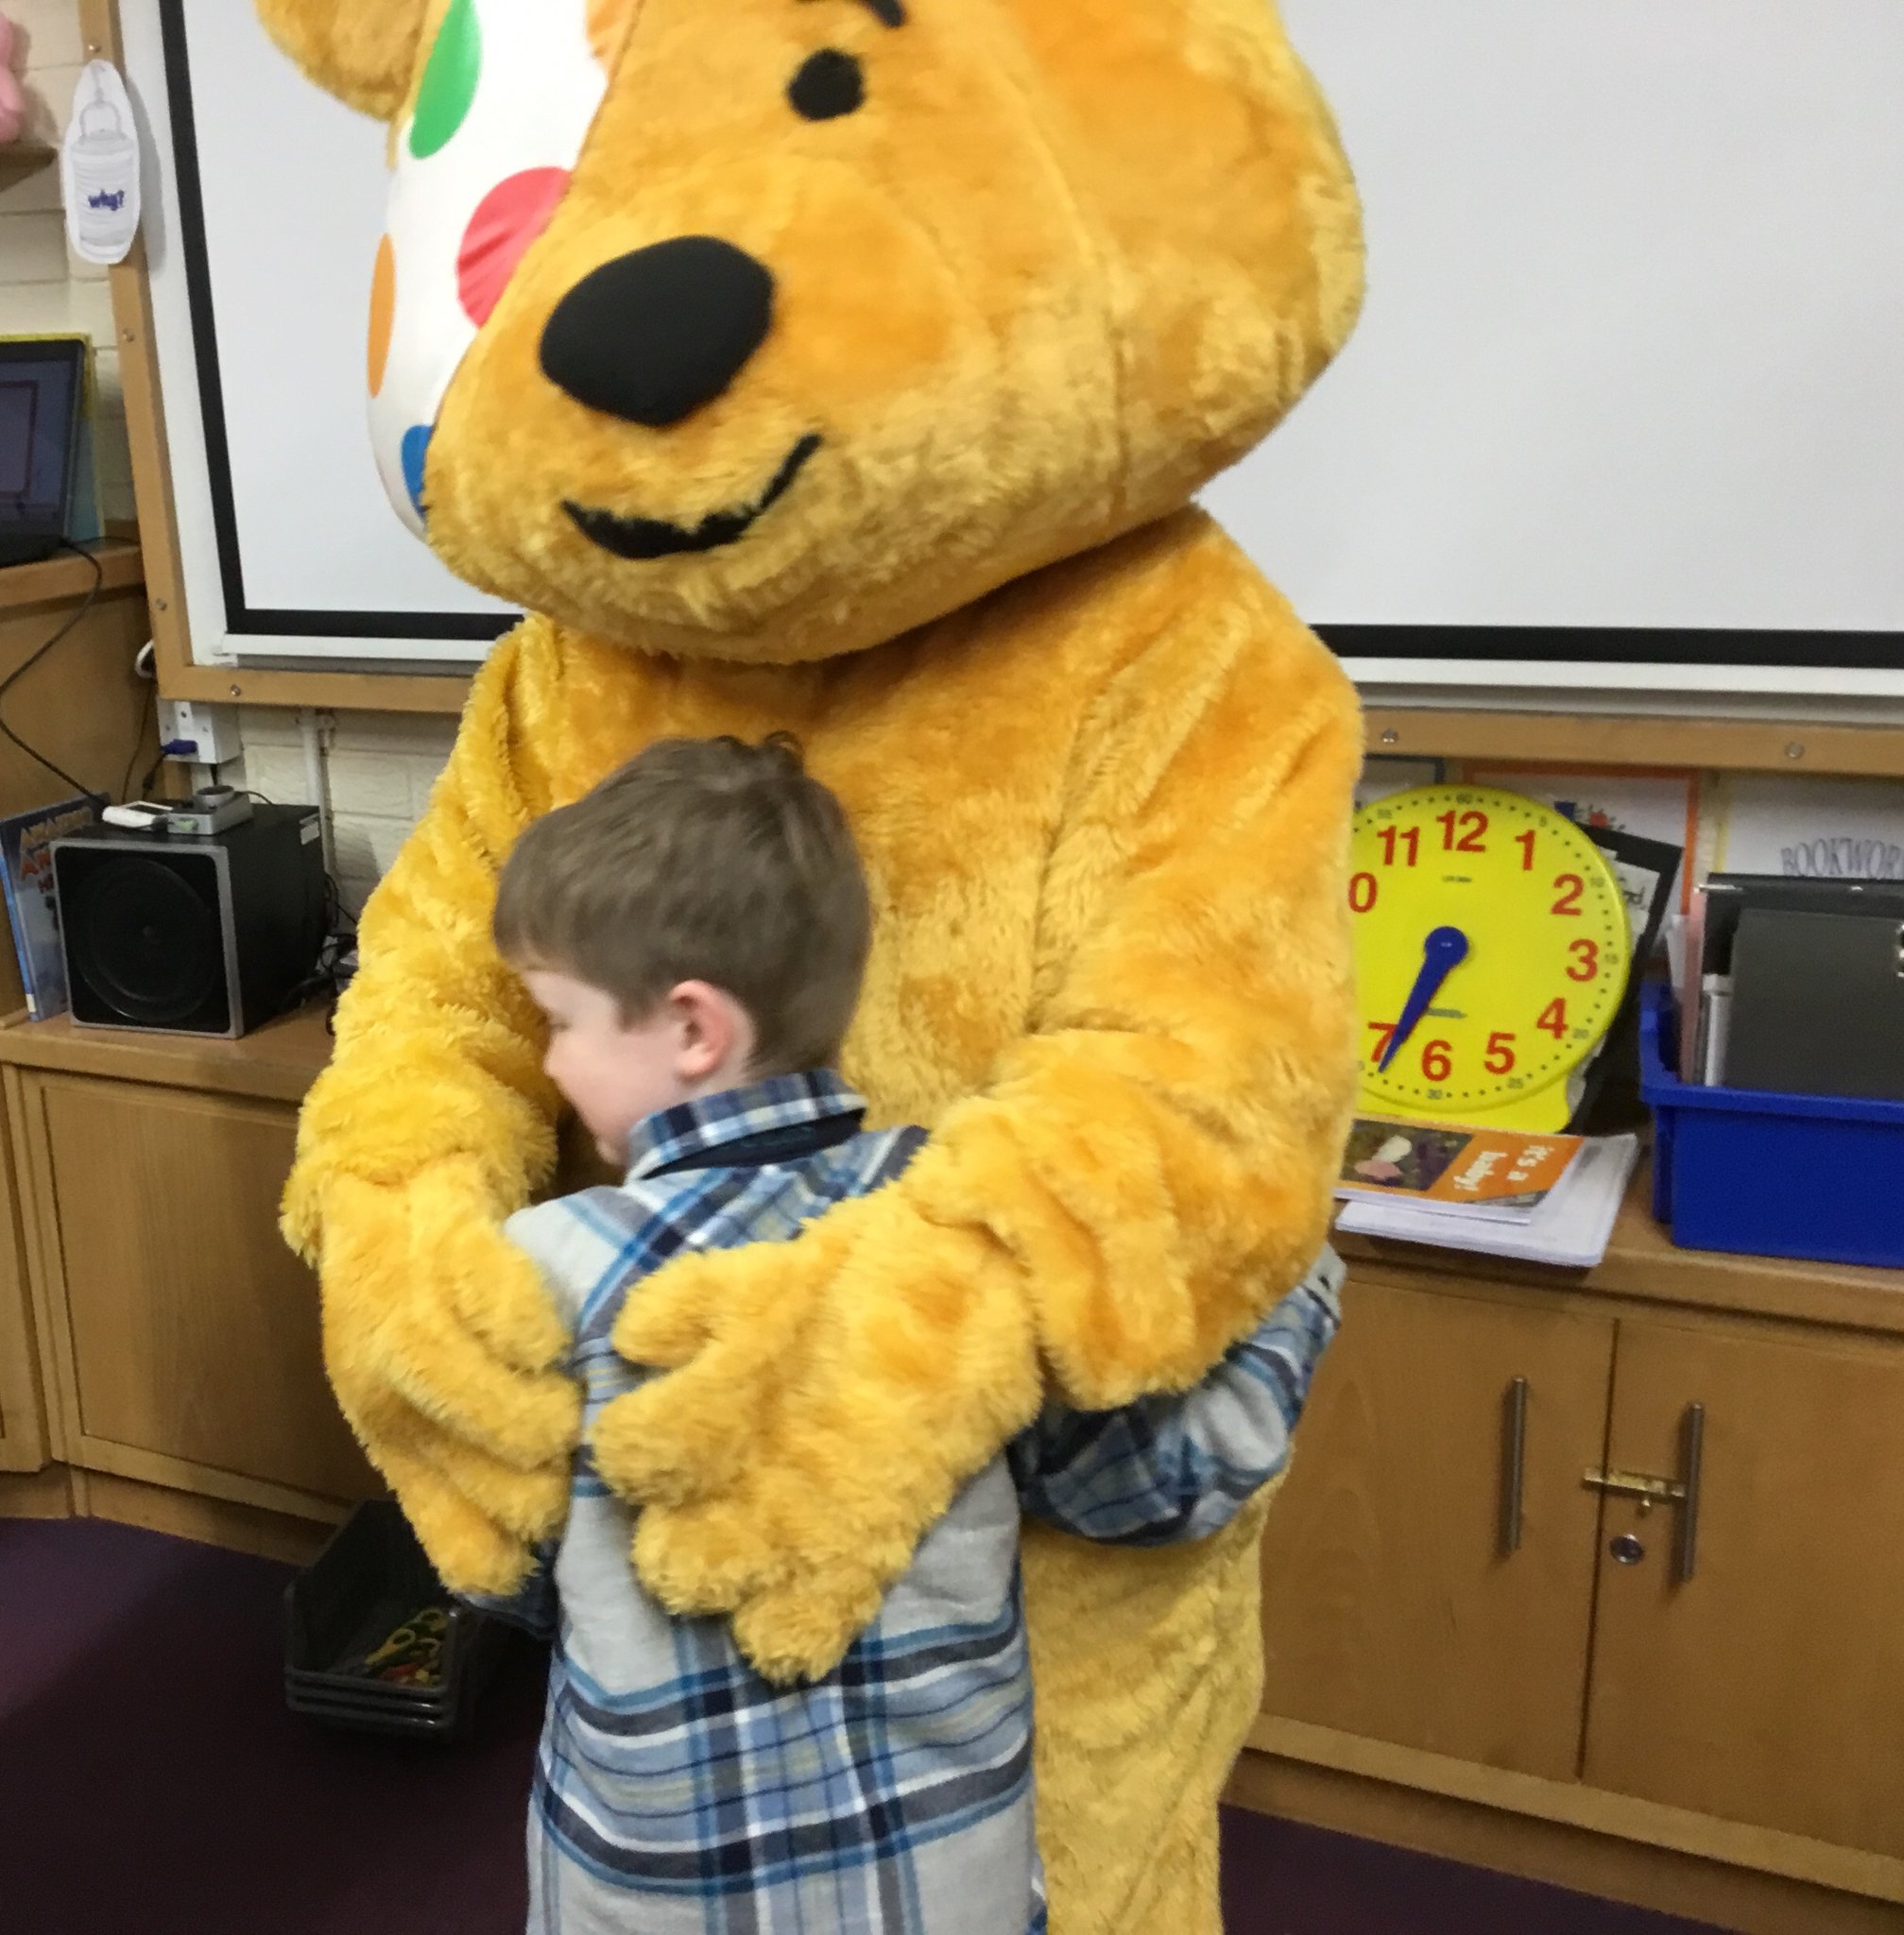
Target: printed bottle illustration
99	163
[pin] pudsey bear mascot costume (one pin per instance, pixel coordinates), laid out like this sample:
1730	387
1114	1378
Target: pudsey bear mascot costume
849	366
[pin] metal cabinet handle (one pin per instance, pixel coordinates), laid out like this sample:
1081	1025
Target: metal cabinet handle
1513	1464
1691	1457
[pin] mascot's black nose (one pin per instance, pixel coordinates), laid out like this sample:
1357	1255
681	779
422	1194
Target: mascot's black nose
651	336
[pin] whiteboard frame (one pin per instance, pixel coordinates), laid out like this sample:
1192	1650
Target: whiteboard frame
209	564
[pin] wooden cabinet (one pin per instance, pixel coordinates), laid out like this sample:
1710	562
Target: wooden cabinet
1625	1561
1769	1686
86	707
1428	1572
178	1338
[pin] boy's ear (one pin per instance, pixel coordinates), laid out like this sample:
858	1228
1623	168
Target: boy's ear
362	51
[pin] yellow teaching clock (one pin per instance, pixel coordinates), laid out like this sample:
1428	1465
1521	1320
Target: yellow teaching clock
1491	952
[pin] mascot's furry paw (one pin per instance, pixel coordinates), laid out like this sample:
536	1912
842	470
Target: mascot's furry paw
825	1399
440	1342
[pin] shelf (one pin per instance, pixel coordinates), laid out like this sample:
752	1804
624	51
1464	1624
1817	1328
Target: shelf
275	1063
1643	1264
1606	739
67	577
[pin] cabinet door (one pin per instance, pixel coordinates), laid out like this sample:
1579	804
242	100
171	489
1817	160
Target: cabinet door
191	1353
23	1433
1393	1606
1769	1687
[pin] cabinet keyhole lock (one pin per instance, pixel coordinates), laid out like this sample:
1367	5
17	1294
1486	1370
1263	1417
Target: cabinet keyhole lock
1647	1491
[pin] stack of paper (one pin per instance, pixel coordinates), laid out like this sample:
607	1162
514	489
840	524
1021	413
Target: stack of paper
1569	1228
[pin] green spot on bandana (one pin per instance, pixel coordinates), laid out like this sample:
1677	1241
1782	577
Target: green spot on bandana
449	80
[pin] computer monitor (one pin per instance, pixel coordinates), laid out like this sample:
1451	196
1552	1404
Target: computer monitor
42	390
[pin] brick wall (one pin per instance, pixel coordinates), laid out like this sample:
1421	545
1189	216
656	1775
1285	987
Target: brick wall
381	767
42	287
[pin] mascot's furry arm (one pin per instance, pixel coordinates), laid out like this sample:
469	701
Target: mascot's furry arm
1151	1166
432	1124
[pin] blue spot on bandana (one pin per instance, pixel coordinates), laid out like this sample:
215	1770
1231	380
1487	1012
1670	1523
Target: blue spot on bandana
415	449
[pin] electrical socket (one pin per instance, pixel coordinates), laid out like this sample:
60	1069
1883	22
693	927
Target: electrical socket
215	733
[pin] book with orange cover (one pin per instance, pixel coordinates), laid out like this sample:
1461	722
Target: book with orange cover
1498	1172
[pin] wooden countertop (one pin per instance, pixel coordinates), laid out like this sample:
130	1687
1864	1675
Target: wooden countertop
275	1063
1642	1263
66	577
279	1062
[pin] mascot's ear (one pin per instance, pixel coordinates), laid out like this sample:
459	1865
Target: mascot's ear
362	51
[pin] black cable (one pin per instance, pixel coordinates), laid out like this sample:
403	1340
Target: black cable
21	671
151	775
125	783
340	936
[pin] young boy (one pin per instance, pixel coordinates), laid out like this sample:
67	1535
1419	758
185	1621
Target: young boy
696	930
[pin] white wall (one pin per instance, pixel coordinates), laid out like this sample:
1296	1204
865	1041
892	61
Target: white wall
381	769
41	286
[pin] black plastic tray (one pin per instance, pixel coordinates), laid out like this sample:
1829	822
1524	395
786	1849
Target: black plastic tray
455	1724
369	1578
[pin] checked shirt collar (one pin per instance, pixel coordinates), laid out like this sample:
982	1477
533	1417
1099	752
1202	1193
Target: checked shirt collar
779	1118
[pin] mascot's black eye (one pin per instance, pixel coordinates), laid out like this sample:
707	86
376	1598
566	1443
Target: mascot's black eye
829	84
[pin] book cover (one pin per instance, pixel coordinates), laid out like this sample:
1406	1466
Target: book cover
27	877
1571	1230
1433	1167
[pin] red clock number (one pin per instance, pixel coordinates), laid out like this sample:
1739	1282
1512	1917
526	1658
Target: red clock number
1525	842
1501	1053
1474	825
1361	893
1586	960
1384	1034
1436	1061
1569	886
1553	1018
1391	837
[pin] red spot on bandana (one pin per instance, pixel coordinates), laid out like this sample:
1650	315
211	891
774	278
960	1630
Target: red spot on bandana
501	233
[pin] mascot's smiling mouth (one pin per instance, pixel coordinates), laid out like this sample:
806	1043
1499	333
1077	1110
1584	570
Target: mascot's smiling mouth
638	538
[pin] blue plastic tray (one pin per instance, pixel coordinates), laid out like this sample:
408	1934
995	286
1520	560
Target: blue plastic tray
1818	1177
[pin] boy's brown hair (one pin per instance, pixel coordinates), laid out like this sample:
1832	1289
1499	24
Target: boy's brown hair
701	859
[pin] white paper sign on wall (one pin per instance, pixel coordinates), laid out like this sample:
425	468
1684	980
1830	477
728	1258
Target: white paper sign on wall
99	167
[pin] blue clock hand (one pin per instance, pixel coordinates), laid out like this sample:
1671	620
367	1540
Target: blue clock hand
1441	952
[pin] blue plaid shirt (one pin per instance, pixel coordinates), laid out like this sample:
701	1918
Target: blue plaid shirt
680	1793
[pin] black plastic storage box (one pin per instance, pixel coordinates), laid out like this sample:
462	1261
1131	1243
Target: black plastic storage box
369	1606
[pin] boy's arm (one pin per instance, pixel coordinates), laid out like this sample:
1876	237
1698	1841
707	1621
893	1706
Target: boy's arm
533	1606
1165	1470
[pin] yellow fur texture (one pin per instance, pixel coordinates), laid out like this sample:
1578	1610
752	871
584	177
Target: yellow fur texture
1065	262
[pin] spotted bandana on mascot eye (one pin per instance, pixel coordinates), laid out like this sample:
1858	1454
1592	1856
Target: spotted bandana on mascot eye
510	90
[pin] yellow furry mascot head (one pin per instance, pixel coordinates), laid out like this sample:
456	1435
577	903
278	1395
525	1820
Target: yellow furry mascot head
911	295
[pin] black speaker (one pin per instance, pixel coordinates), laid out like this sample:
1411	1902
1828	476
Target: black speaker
192	934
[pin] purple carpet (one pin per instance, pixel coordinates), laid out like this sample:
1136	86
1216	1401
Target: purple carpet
152	1781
